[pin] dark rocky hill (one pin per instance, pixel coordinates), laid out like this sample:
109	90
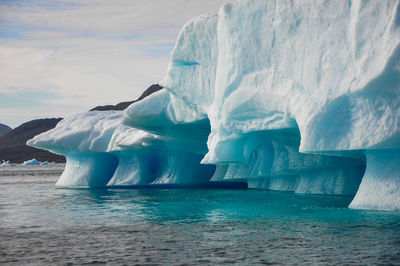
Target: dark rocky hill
4	129
14	149
122	106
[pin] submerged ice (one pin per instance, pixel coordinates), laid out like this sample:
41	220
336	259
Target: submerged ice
282	95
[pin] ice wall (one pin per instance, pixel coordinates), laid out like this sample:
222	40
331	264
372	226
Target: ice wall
319	67
193	65
328	70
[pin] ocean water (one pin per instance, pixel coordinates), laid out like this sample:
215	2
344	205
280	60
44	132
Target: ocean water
44	225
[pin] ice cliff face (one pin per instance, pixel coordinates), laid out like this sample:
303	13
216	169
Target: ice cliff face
292	95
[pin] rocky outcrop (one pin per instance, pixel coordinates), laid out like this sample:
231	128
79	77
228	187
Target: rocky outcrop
4	129
123	105
12	144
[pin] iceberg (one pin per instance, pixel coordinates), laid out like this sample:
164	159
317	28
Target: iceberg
282	95
32	162
6	164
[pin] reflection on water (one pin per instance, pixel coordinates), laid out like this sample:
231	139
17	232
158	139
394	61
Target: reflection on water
42	224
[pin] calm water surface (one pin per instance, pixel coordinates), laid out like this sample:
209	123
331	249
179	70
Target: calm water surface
43	225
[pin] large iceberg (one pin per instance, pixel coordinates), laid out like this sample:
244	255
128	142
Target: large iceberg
284	95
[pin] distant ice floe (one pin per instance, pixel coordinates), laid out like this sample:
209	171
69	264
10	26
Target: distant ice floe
36	162
6	164
29	162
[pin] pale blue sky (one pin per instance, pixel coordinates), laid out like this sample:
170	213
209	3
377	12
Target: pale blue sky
59	57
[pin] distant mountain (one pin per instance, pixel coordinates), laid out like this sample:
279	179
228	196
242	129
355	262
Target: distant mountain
12	144
4	129
122	106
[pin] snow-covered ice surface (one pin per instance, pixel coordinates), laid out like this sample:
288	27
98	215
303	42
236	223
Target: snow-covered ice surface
83	139
284	95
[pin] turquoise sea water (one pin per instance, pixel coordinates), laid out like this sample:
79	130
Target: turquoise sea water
41	224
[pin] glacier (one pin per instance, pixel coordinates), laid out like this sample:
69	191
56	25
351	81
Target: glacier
284	95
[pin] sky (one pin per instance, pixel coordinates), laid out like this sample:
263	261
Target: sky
60	57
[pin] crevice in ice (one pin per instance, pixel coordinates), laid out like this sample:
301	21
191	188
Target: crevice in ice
396	23
184	63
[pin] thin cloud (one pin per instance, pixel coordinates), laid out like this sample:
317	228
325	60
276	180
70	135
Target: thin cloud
87	52
146	19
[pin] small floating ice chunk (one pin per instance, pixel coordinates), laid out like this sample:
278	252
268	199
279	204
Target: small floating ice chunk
5	163
32	162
